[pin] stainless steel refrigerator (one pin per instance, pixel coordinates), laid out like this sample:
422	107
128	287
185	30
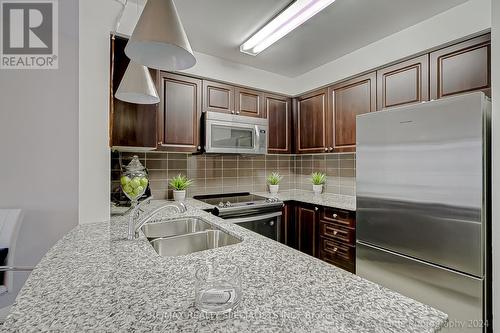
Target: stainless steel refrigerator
423	215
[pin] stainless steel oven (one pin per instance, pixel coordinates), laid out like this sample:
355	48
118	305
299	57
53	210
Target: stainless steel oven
253	212
268	224
231	134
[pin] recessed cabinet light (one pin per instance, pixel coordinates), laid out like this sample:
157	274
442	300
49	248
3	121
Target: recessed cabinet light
292	17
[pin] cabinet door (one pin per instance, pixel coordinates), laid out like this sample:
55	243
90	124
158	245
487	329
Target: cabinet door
288	226
131	125
311	122
461	68
348	100
218	97
403	83
180	113
306	225
278	111
249	103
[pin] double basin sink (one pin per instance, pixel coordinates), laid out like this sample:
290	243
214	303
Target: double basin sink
186	235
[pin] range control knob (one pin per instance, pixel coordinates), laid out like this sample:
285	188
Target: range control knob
221	204
228	204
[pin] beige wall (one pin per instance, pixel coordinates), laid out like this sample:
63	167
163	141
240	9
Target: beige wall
39	147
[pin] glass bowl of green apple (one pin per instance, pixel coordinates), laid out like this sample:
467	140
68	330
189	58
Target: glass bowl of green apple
134	180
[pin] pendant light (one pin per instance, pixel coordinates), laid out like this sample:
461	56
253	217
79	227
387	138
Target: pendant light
159	40
137	86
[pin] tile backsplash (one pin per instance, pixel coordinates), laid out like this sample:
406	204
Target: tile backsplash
214	174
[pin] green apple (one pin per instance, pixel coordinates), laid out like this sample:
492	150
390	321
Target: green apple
128	189
124	180
138	191
135	182
144	181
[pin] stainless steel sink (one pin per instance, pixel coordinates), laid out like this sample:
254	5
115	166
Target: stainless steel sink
175	227
194	242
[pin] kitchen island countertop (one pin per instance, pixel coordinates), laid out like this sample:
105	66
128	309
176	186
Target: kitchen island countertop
94	279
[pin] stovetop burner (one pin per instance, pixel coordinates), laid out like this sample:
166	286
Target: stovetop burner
233	200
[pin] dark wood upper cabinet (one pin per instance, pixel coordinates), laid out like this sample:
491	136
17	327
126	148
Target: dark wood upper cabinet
249	102
180	113
404	83
311	121
347	100
307	229
279	114
218	97
131	125
461	68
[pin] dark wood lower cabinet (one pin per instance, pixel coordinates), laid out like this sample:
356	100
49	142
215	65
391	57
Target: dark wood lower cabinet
323	232
307	229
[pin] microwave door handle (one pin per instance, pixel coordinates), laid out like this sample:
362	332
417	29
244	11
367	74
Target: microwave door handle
257	138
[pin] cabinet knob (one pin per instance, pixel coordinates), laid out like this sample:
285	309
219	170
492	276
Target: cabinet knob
335	233
335	216
330	149
199	147
326	149
316	208
335	249
232	112
238	112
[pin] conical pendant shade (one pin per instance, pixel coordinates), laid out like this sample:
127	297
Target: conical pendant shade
159	40
137	86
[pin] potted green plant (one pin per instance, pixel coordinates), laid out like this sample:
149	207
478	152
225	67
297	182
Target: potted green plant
318	179
179	184
273	180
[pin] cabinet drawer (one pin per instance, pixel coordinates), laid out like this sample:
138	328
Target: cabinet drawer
336	250
342	217
334	231
349	266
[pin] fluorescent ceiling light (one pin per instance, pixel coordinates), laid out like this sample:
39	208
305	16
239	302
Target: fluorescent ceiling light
292	17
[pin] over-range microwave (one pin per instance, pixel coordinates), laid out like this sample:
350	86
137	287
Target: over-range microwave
232	134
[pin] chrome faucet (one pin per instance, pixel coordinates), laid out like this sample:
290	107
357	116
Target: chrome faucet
133	226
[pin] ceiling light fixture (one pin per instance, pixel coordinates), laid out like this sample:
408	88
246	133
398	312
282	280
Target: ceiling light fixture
292	17
159	40
137	86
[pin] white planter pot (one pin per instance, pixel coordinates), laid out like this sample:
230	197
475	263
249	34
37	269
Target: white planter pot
317	189
273	189
179	195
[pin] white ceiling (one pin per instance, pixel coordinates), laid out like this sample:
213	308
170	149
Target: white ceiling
219	27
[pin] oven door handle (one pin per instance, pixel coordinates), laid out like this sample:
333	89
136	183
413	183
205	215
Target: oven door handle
253	218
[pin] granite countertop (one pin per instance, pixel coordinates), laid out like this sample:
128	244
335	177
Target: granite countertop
94	279
346	202
328	200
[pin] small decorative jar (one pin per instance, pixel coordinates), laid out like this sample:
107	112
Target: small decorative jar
134	180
